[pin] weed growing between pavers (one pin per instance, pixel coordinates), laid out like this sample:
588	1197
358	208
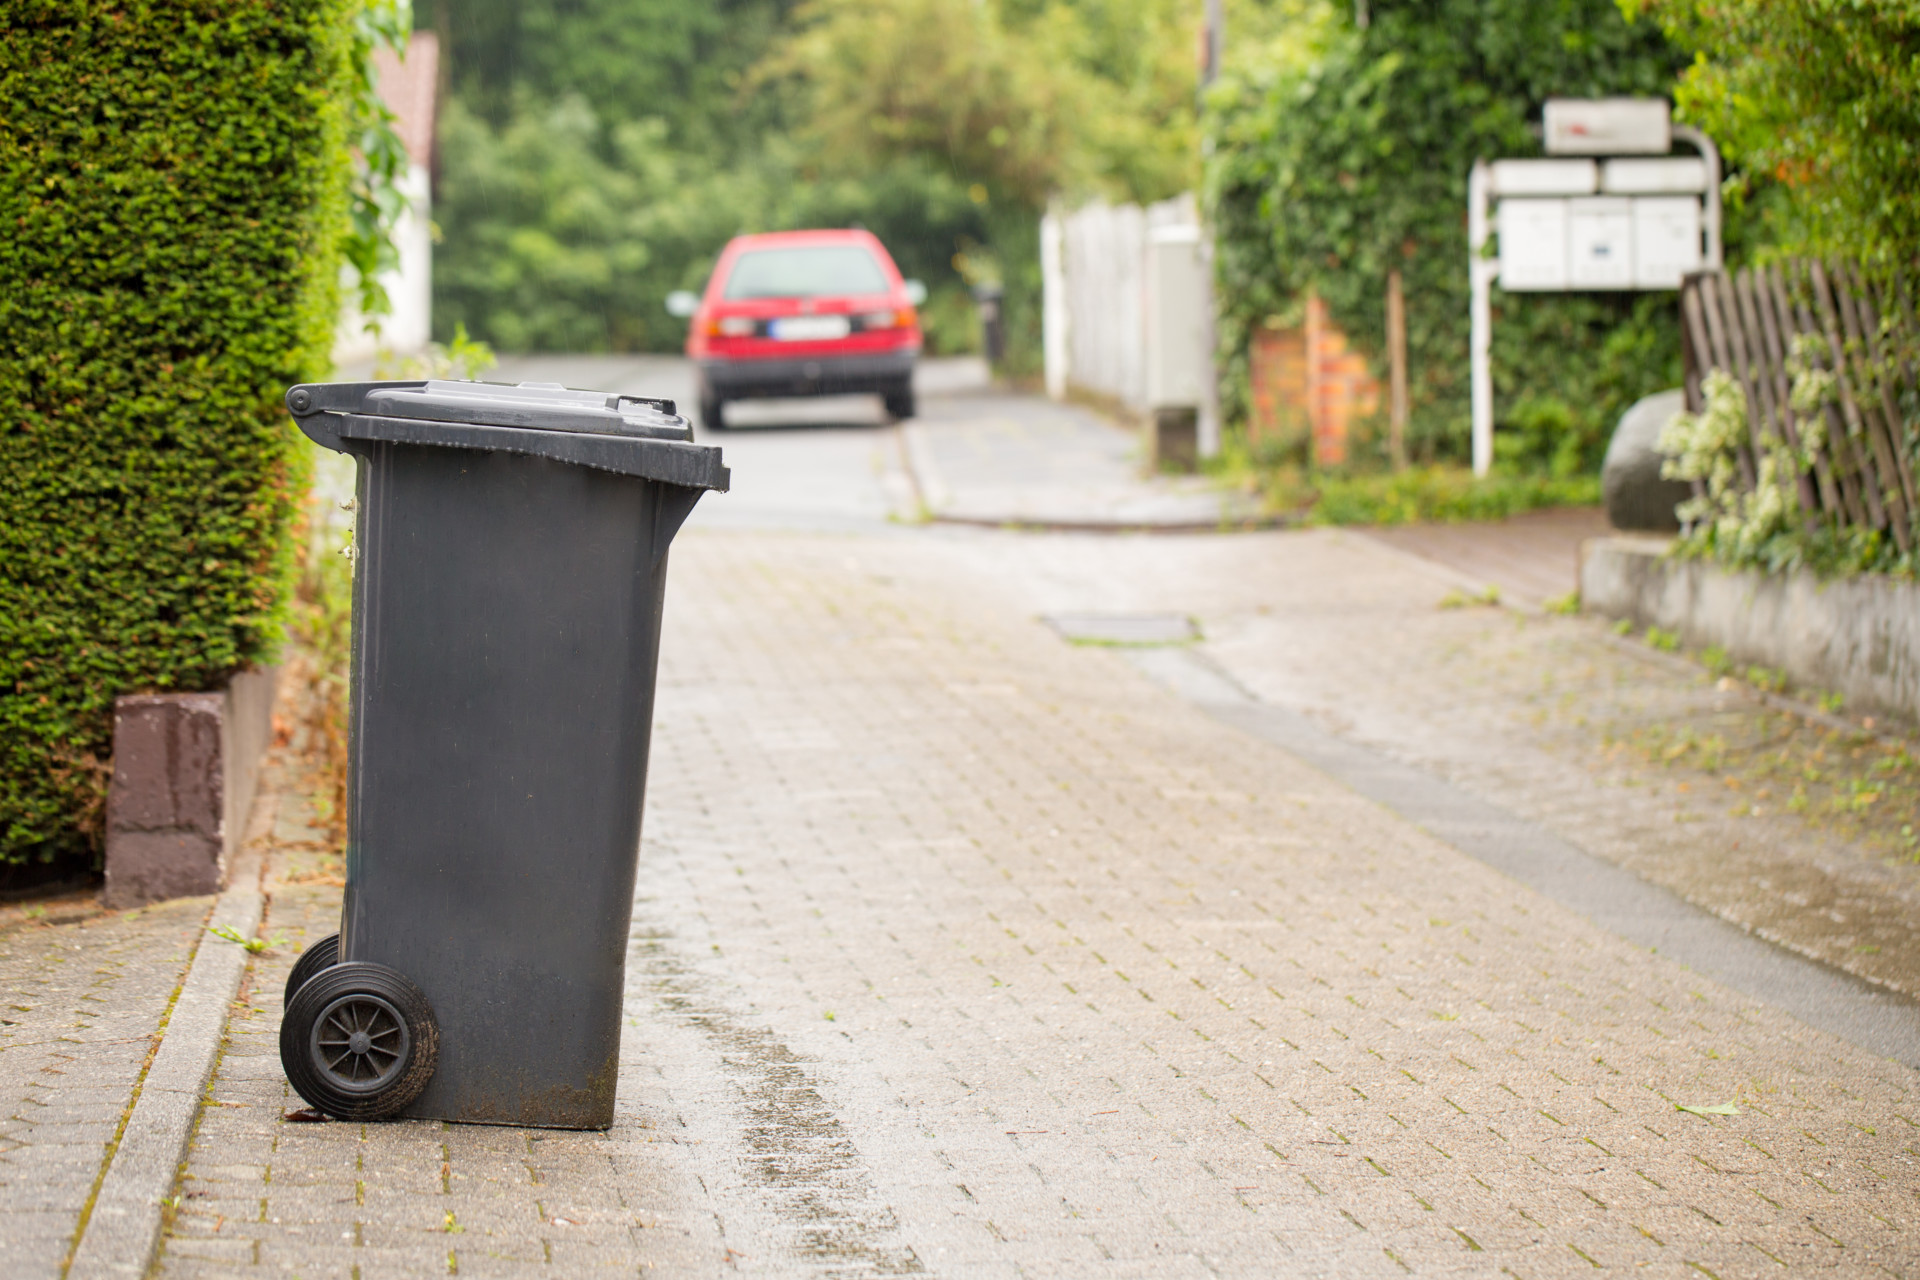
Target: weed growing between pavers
1854	785
1851	783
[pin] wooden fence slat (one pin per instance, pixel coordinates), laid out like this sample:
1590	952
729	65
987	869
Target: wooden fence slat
1693	331
1884	486
1693	327
1846	457
1855	380
1723	359
1734	329
1776	318
1692	354
1864	384
1778	421
1910	330
1879	372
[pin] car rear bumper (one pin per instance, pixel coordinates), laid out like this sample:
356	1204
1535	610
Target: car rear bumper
882	372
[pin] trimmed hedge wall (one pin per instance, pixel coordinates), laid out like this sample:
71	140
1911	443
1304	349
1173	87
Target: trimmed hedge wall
173	179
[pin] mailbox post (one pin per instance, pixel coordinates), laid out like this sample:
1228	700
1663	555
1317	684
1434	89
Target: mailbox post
1610	208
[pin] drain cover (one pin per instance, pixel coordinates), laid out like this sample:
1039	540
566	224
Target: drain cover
1125	628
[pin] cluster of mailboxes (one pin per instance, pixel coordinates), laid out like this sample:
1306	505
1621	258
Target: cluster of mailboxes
1629	223
1610	207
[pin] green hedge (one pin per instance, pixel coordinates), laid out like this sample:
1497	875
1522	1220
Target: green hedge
173	178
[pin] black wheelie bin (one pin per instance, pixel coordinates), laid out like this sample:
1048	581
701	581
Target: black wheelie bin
510	557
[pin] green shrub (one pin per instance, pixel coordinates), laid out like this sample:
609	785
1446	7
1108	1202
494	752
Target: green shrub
173	182
1817	101
1447	494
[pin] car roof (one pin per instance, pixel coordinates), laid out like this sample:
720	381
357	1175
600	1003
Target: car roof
778	239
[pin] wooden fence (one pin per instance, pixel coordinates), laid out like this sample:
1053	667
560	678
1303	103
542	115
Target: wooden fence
1850	348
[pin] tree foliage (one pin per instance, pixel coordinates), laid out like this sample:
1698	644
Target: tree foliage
601	152
374	200
565	233
1820	98
1023	100
1032	100
173	180
1341	153
684	64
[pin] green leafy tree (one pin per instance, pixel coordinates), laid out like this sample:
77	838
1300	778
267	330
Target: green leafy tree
600	152
563	232
682	63
1820	98
374	202
1023	101
1341	153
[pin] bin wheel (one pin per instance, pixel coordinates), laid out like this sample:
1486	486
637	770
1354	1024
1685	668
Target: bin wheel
899	404
359	1041
713	413
323	954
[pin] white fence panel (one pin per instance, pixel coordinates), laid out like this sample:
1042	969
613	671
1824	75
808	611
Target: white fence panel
1105	252
1094	268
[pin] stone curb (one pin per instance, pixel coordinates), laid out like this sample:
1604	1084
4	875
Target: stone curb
122	1231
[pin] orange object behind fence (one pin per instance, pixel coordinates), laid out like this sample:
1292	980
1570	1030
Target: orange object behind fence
1305	382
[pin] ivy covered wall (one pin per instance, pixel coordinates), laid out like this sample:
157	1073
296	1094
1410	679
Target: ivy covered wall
1343	154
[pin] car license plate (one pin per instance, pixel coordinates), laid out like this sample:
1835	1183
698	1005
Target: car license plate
809	328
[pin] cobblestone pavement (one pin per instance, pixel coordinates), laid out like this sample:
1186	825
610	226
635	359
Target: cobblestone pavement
85	990
1636	756
1533	557
1007	459
965	951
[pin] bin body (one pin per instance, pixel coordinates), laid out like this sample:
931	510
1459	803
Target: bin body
506	636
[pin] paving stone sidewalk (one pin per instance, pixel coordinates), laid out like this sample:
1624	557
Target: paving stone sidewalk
85	991
1639	757
963	951
1002	459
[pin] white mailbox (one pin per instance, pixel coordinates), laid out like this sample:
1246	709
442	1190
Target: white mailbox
1533	245
1667	175
1545	177
1606	126
1666	240
1600	243
1637	219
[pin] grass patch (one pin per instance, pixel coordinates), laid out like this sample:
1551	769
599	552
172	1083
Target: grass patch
1429	494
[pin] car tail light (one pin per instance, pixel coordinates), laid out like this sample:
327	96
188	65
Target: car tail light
733	327
900	319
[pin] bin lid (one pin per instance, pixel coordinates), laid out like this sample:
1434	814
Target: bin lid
634	435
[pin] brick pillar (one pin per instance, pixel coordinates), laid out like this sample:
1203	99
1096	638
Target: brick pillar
166	807
185	766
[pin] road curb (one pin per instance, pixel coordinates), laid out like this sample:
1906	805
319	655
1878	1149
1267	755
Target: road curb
122	1230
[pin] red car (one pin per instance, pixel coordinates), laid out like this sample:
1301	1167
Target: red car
803	313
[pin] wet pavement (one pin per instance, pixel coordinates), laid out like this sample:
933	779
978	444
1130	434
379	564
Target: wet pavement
973	943
963	949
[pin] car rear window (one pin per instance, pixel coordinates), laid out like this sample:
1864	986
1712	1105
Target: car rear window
808	272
